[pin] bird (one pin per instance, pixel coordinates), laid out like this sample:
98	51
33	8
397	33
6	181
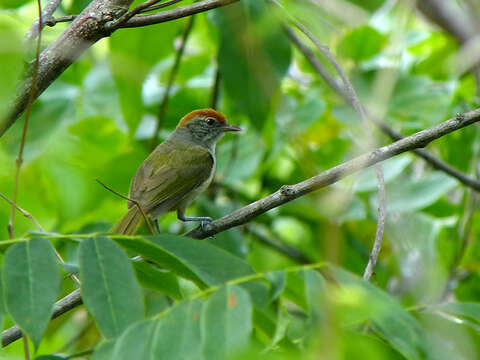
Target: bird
176	171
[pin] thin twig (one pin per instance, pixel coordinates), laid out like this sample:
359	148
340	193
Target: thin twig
291	192
162	109
23	212
26	351
45	16
177	13
54	21
31	98
142	8
145	217
159	6
40	227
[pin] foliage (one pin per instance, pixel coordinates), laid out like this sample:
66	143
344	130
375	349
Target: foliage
244	292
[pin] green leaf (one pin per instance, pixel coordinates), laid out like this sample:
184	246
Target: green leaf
175	335
361	43
419	102
199	261
11	59
32	284
109	288
104	351
132	55
367	180
414	195
156	279
226	322
367	302
278	282
254	55
51	357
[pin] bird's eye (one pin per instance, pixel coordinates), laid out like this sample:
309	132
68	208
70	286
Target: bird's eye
210	121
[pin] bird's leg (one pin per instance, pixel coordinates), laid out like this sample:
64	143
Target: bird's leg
203	219
157	227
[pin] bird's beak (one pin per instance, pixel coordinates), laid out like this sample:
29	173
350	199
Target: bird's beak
228	127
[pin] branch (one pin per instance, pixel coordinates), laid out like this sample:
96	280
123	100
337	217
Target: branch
450	18
69	302
87	28
46	14
288	193
159	6
393	134
195	8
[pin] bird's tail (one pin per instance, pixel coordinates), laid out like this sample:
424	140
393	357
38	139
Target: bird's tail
129	223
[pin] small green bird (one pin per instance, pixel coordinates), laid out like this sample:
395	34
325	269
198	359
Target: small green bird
177	171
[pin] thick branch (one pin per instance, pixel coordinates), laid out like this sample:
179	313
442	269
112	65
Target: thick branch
195	8
291	192
87	28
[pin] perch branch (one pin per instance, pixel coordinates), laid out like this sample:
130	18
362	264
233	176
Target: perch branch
393	134
291	192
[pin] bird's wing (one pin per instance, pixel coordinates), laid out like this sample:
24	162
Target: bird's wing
170	173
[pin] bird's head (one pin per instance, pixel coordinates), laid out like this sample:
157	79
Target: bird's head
206	126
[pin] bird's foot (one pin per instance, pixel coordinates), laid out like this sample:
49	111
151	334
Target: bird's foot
205	224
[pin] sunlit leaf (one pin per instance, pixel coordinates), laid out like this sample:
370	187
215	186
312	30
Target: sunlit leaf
109	288
226	322
32	284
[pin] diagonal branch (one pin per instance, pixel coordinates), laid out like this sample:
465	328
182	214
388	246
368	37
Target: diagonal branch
288	193
46	14
393	134
87	28
448	17
195	8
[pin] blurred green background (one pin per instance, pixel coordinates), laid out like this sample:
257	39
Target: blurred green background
96	121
